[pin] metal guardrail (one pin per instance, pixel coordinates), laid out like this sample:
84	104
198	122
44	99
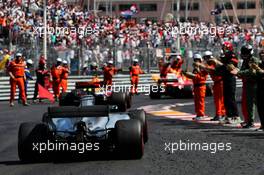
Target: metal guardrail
124	80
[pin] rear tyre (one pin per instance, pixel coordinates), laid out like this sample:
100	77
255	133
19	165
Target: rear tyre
29	135
120	100
69	99
129	139
141	116
128	100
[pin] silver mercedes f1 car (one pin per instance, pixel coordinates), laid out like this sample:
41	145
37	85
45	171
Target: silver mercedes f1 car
123	134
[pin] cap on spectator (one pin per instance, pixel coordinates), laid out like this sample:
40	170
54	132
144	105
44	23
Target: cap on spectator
59	60
29	61
197	57
208	53
19	55
85	65
178	57
135	60
65	62
110	62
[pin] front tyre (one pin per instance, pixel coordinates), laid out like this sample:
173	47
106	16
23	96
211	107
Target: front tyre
140	115
119	99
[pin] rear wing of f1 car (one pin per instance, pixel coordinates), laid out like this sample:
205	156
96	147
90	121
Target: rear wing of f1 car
72	111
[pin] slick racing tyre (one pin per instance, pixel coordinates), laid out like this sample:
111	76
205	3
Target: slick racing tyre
129	139
141	116
128	100
29	135
120	100
69	99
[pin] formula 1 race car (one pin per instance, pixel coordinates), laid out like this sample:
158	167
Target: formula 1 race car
89	94
123	134
174	86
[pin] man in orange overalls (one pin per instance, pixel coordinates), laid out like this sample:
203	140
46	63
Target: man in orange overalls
199	83
16	71
64	76
56	72
109	71
135	70
217	88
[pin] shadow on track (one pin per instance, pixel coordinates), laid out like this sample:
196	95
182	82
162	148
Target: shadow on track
70	159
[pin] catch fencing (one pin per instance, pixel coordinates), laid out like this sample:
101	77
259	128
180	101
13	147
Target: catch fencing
119	80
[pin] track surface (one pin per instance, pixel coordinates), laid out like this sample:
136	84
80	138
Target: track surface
245	157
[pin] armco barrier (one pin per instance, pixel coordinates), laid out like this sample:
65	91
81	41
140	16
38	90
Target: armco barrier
145	79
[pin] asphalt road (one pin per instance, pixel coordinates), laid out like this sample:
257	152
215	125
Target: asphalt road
245	157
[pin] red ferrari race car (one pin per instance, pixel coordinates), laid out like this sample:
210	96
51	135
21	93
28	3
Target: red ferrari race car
176	86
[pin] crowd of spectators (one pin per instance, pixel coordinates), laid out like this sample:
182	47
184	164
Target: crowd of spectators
20	21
